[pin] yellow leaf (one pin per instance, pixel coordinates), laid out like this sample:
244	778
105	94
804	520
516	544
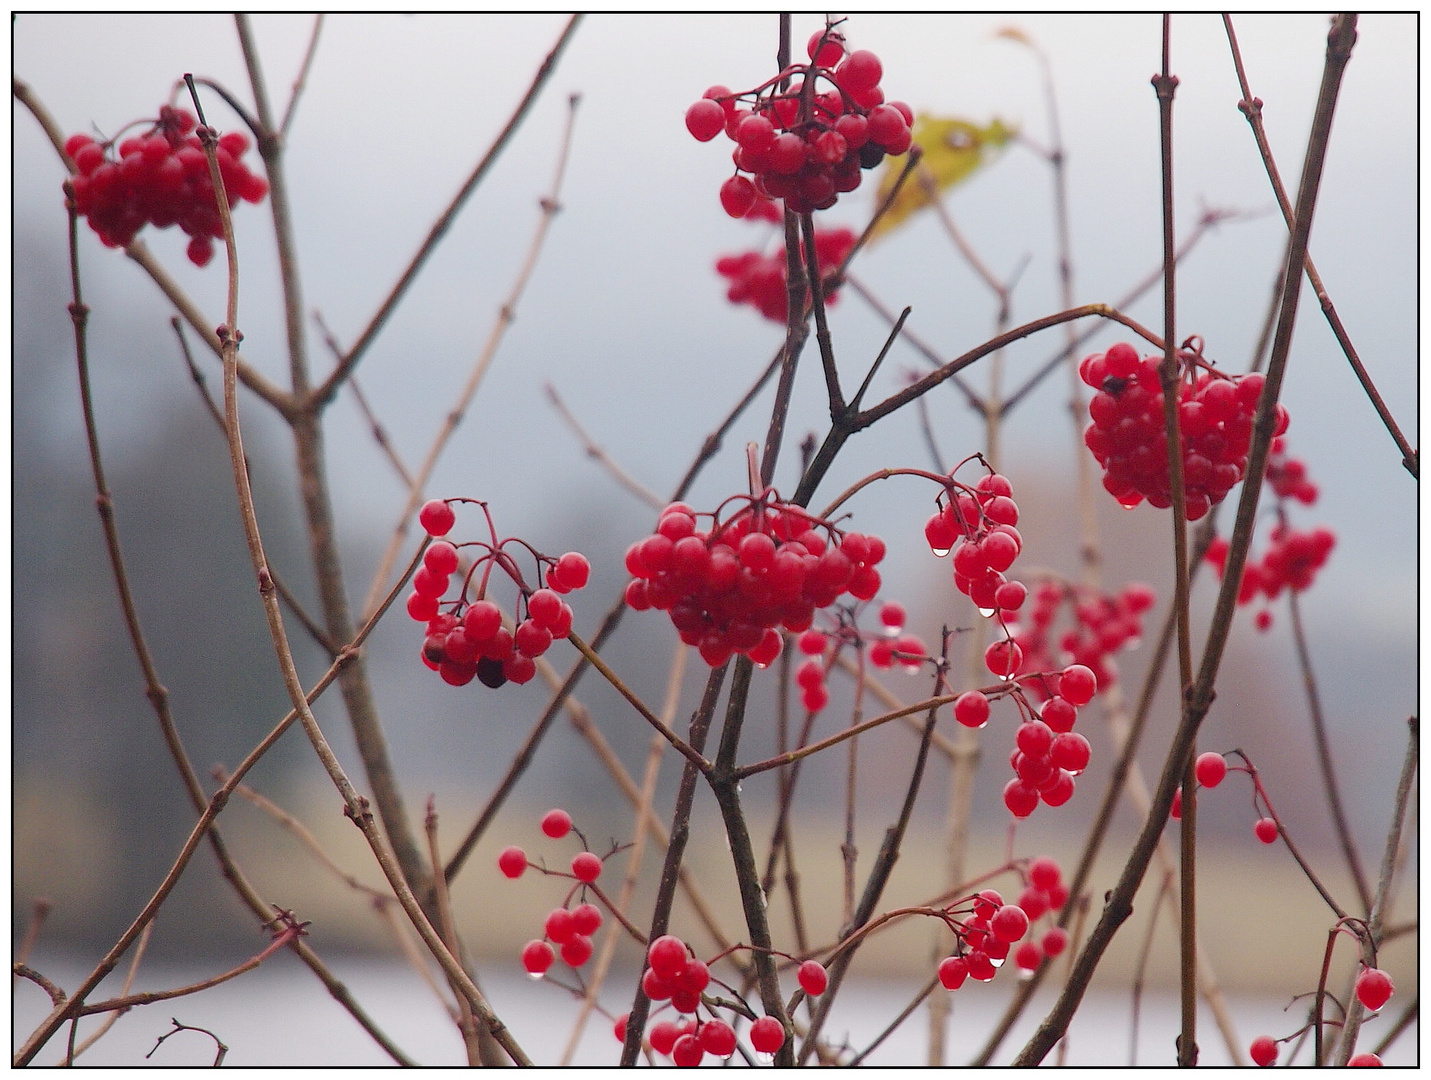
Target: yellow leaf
953	150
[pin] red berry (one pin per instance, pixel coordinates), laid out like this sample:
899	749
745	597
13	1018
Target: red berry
1021	799
893	615
586	867
1055	941
1028	956
971	709
860	72
737	195
717	1038
559	926
577	951
1003	658
953	970
663	1037
574	569
687	1052
1363	1059
619	1027
705	119
537	956
1009	923
512	862
766	1035
1071	752
1266	830
1374	988
668	956
1263	1050
1044	872
1059	714
1077	685
1210	768
436	517
556	823
586	919
813	978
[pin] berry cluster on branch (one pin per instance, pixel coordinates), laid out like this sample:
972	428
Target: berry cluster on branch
760	280
1129	438
161	178
810	141
729	588
469	639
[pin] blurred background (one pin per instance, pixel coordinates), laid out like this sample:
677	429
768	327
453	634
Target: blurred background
626	317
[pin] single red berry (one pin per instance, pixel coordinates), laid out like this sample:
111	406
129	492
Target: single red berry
687	1052
892	615
1210	768
953	970
1263	1050
1071	752
1374	988
586	867
577	951
559	926
668	956
971	709
813	978
696	977
537	956
685	1001
436	517
1266	830
705	119
717	1038
1028	956
1003	658
619	1027
512	862
556	823
1009	923
737	195
1044	872
766	1035
1055	940
1059	714
860	72
1077	685
440	557
586	919
1363	1059
1021	799
663	1037
574	569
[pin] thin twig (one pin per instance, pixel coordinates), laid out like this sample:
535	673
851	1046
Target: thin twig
601	457
301	81
506	315
1119	904
1251	108
1324	758
466	1023
324	393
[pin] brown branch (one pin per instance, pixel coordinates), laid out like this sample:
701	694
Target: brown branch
506	315
324	393
301	82
1119	904
1251	108
601	457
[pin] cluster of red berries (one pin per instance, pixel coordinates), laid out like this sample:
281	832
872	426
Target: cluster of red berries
1373	989
469	639
569	929
884	651
978	525
1128	434
729	588
1048	754
1288	475
988	934
674	974
1104	624
160	179
1291	561
759	280
810	142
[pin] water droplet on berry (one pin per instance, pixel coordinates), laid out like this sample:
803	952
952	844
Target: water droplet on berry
536	976
939	553
998	963
987	611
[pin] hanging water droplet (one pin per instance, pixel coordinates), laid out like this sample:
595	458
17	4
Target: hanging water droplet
1025	974
536	976
987	611
939	553
997	963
